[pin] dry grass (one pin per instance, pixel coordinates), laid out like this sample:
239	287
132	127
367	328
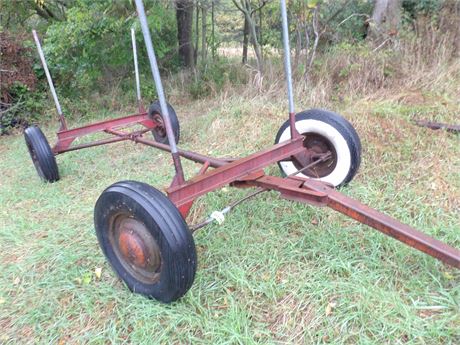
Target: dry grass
426	61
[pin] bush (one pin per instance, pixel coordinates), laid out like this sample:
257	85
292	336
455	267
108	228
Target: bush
213	76
19	100
26	106
92	48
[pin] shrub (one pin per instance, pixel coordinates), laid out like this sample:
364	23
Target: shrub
19	100
92	48
213	76
26	106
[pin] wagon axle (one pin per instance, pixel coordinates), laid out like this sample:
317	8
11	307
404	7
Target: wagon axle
143	232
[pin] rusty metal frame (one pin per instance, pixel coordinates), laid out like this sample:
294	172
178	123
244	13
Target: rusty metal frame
231	172
67	136
244	172
248	172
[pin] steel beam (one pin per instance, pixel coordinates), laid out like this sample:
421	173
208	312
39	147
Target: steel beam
136	71
107	124
159	87
50	81
231	172
193	156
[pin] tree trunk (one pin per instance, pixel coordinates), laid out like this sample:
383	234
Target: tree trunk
245	41
386	18
204	12
298	45
255	42
213	38
184	18
197	37
260	23
245	7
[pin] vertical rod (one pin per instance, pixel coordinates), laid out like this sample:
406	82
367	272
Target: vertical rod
50	81
159	87
287	68
136	69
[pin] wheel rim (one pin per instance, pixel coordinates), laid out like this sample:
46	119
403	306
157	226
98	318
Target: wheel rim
135	248
160	129
317	146
34	157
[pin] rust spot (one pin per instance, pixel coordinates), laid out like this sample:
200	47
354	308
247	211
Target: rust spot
132	248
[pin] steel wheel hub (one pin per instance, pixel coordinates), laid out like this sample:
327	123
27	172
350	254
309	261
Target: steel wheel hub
136	248
316	147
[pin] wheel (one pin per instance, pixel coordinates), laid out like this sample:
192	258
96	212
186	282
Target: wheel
41	154
324	131
159	132
146	240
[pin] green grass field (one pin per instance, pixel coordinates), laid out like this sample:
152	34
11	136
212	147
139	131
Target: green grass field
275	272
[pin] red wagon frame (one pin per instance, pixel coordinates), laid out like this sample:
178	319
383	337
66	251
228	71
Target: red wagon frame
243	172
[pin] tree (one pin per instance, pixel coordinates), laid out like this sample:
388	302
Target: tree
49	10
197	37
201	7
385	20
184	17
245	41
204	12
248	11
213	37
15	15
306	17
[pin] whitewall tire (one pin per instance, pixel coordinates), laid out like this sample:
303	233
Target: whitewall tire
324	131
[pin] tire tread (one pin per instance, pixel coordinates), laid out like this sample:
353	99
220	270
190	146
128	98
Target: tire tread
45	157
181	252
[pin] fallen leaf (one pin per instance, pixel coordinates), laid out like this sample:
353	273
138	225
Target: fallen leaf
16	281
330	307
98	272
314	221
86	279
448	275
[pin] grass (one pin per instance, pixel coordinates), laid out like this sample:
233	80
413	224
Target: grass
275	271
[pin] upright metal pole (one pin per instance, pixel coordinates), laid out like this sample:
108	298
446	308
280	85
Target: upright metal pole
136	70
50	81
160	92
287	68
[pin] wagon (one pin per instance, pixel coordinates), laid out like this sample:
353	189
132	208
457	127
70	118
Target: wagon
144	234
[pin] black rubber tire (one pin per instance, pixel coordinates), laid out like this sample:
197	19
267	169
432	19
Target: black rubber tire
326	122
159	134
164	223
41	154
